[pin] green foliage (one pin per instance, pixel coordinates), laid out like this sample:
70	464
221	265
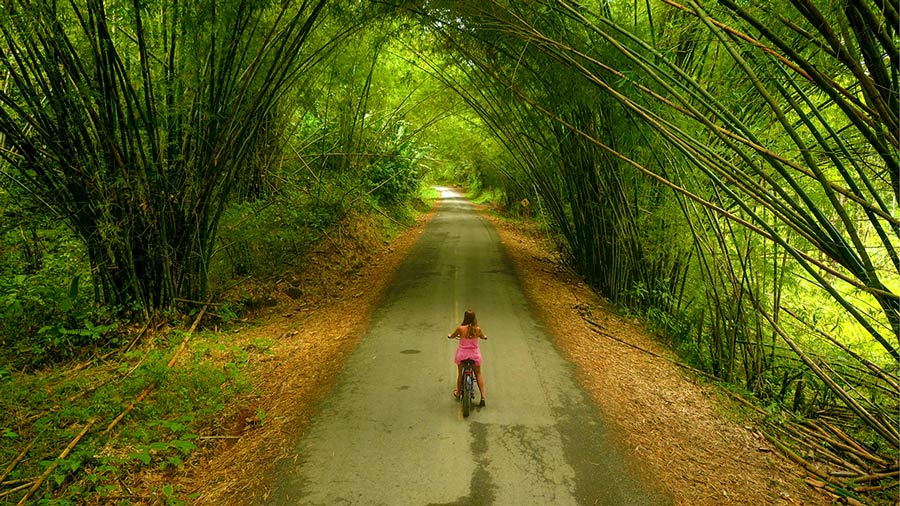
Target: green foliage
394	176
354	150
165	454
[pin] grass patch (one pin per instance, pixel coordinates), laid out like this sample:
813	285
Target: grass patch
50	407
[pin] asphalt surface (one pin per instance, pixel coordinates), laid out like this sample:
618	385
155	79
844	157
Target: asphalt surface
390	433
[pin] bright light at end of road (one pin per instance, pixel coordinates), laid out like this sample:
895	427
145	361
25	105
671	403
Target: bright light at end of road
445	192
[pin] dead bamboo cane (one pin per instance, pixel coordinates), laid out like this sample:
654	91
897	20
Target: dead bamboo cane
16	489
150	388
862	452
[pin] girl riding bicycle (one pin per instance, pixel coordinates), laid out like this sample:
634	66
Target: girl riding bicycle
468	333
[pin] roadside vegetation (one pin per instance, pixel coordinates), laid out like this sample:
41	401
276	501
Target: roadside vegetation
729	172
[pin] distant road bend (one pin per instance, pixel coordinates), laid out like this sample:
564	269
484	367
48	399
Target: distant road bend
390	432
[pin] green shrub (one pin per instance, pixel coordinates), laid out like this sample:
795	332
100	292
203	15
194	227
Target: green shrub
43	322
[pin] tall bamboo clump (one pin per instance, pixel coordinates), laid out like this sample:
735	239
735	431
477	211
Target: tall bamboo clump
134	121
774	127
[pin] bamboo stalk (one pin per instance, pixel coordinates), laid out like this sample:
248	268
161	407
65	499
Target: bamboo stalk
876	477
12	465
128	408
17	489
888	433
794	457
862	452
889	378
875	488
16	482
814	442
78	126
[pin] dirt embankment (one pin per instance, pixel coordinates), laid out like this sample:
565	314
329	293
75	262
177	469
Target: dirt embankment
674	426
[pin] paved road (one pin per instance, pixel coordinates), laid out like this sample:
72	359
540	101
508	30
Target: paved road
390	433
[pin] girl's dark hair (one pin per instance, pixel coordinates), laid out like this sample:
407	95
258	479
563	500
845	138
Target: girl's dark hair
469	318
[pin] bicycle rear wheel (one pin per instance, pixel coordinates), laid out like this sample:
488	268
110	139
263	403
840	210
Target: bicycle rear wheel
467	394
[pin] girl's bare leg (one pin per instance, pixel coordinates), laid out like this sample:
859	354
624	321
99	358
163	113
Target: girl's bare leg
458	378
480	380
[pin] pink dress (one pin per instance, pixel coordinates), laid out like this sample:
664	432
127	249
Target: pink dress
468	350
